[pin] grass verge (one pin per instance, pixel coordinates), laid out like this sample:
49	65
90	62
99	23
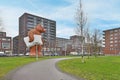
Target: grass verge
100	68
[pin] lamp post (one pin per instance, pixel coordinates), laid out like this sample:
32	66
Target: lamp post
65	49
36	50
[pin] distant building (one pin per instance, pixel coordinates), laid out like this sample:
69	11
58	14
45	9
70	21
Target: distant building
112	41
69	45
26	23
76	42
5	43
64	44
15	45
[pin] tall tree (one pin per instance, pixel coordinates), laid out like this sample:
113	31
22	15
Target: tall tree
1	24
81	21
88	41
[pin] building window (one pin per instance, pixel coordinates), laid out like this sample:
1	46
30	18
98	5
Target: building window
116	41
116	37
5	45
111	34
111	45
115	44
115	30
116	34
30	25
111	41
3	39
111	38
111	49
111	31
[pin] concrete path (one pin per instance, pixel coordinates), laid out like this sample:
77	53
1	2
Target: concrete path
41	70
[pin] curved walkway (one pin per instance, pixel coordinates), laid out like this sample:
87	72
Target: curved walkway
41	70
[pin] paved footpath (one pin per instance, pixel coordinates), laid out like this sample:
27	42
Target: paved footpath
41	70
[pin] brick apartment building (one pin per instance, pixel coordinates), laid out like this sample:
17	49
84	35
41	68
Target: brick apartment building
29	21
5	43
112	41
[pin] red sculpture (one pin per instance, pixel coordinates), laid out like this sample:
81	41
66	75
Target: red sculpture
36	31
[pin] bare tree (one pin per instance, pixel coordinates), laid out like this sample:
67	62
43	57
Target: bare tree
88	41
1	24
81	20
96	42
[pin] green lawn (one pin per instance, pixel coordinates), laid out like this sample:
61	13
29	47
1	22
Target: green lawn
100	68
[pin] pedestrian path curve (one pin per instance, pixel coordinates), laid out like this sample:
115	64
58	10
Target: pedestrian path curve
41	70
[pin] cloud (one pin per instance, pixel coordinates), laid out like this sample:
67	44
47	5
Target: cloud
65	32
10	20
64	16
102	14
10	17
98	12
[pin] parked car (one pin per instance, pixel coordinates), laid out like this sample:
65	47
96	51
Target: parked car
46	54
73	53
2	54
15	55
21	54
27	54
54	54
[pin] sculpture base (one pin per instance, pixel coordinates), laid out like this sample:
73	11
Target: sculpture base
33	55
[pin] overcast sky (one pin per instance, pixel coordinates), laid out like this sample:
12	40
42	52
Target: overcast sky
102	14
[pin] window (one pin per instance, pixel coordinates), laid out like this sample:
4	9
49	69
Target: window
116	41
7	39
111	31
3	38
111	49
115	34
5	45
111	38
111	45
111	41
116	45
111	34
115	30
116	37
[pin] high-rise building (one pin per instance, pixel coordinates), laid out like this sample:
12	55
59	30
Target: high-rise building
5	43
27	22
112	41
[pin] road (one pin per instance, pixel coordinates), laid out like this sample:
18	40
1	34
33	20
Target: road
41	70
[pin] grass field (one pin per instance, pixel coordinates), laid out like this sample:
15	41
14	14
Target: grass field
9	63
100	68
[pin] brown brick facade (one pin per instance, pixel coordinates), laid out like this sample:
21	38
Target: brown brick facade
112	41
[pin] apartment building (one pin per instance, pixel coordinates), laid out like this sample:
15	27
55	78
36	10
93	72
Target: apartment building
29	21
5	43
112	41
